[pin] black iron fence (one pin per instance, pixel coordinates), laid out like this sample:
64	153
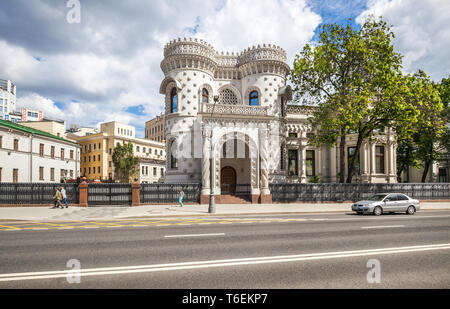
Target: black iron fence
152	193
329	192
115	194
35	193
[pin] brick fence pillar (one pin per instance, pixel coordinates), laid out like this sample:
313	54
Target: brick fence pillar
83	194
135	193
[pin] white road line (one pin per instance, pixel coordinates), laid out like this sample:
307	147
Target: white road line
381	226
195	235
217	263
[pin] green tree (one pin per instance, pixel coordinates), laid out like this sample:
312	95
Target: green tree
354	78
125	163
425	96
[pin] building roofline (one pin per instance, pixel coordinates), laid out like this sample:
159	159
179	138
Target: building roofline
33	131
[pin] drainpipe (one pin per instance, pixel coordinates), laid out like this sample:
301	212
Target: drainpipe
31	157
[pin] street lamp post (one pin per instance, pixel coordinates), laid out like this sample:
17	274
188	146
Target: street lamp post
212	205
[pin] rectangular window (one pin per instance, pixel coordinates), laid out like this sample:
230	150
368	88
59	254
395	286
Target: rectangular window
16	144
350	154
52	174
110	163
1	141
282	158
110	151
143	170
93	158
62	154
89	170
0	174
41	150
98	169
98	158
155	172
310	163
89	158
15	175
95	146
52	152
292	135
379	159
71	174
99	146
162	172
41	173
71	154
293	162
84	171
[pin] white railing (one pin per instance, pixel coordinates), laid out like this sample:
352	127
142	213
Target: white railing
236	109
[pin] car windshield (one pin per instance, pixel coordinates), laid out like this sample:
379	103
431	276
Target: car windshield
377	197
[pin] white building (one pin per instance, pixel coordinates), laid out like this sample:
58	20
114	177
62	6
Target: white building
151	170
7	99
30	155
238	103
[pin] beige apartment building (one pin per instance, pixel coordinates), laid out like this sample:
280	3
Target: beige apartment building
54	127
154	129
97	150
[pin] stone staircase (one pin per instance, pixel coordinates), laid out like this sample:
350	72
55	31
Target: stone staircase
234	199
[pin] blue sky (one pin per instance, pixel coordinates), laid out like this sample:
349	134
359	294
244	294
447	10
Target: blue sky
108	66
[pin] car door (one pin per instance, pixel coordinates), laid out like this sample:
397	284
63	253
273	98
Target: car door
390	203
402	202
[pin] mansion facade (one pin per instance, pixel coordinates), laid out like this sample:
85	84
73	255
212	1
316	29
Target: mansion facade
229	114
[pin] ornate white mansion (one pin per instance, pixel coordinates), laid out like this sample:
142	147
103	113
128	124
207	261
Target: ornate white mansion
240	102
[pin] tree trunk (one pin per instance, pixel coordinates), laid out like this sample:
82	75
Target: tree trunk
342	160
352	162
425	170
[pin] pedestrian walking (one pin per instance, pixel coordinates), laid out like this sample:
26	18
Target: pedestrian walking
64	196
57	198
181	196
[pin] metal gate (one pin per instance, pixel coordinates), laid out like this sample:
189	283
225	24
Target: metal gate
111	194
156	193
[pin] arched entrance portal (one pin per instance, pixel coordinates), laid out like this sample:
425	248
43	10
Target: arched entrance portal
228	180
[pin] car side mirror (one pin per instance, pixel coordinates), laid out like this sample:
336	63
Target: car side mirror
386	200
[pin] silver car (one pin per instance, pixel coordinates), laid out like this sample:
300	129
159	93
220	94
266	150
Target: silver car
385	203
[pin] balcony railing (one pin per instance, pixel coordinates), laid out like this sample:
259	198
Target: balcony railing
236	109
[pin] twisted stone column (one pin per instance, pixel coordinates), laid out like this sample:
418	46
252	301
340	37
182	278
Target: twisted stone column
206	183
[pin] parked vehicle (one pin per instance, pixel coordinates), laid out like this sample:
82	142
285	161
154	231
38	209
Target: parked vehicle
387	203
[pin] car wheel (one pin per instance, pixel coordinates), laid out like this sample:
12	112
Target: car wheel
411	210
378	211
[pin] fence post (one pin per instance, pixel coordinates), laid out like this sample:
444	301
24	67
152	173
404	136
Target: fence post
83	193
135	193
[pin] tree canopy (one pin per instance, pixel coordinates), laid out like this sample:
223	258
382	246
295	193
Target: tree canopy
354	78
125	163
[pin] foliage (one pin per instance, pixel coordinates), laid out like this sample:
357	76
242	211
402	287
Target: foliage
354	78
125	163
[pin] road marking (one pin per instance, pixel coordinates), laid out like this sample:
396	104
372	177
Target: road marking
217	263
195	235
381	226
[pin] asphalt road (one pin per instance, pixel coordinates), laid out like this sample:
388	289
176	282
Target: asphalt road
241	252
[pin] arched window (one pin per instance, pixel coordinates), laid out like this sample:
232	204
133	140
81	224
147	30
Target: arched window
253	98
173	100
173	159
205	96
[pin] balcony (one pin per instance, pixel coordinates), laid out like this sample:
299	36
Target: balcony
225	109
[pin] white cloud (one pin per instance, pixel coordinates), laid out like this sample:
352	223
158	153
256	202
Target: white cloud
422	32
111	61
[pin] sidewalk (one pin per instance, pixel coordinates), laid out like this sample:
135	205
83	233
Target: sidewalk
114	212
